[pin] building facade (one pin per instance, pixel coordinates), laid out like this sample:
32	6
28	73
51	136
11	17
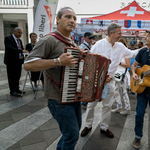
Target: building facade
20	13
16	13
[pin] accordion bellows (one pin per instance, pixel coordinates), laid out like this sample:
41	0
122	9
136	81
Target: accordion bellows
86	81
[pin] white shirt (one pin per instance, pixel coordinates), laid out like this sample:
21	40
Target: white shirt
115	53
83	46
16	40
121	68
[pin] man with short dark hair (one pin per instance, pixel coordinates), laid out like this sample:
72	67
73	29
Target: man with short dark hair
48	55
140	44
132	45
143	99
86	45
14	59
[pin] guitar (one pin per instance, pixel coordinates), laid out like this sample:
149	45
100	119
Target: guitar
143	81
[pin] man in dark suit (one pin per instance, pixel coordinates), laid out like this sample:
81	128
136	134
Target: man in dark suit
14	59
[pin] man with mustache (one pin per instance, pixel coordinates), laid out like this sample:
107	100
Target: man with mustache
48	54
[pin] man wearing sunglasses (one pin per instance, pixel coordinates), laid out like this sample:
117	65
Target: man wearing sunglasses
86	45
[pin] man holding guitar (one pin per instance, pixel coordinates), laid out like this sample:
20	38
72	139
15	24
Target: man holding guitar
143	94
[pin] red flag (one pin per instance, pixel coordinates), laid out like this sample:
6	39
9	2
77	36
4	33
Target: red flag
89	21
48	10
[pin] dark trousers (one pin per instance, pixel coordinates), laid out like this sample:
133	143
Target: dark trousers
14	74
142	101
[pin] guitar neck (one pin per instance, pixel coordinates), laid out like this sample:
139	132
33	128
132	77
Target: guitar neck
146	73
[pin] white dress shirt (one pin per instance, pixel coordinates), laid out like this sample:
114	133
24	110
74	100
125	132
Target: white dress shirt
114	53
16	40
20	55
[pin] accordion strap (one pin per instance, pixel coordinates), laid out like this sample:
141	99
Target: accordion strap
61	38
52	79
87	46
124	75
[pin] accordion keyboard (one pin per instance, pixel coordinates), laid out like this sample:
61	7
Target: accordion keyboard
70	76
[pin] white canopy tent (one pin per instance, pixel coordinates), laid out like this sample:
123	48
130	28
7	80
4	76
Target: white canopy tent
133	18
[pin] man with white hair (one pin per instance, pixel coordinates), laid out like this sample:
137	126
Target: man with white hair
14	59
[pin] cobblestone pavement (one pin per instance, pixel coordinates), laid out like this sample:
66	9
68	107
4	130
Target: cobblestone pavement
26	123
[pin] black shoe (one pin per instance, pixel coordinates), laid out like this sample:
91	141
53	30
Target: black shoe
137	143
19	91
14	94
108	133
85	131
132	93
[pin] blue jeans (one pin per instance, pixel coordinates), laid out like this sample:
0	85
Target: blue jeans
142	100
68	117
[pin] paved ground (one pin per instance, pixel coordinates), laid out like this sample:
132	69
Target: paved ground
26	123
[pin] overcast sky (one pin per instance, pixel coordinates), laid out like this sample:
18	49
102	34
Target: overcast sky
98	7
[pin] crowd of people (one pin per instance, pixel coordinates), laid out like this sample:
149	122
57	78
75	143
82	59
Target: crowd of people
77	39
48	56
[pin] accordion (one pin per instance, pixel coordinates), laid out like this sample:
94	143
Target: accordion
86	81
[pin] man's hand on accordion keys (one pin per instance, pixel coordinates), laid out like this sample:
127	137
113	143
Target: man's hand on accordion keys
67	59
109	78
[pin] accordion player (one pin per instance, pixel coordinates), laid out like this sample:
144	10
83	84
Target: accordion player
86	81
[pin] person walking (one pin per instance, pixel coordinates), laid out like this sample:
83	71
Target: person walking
121	84
109	47
48	54
140	44
143	99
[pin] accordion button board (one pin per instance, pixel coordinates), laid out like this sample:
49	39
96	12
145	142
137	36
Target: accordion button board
85	82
